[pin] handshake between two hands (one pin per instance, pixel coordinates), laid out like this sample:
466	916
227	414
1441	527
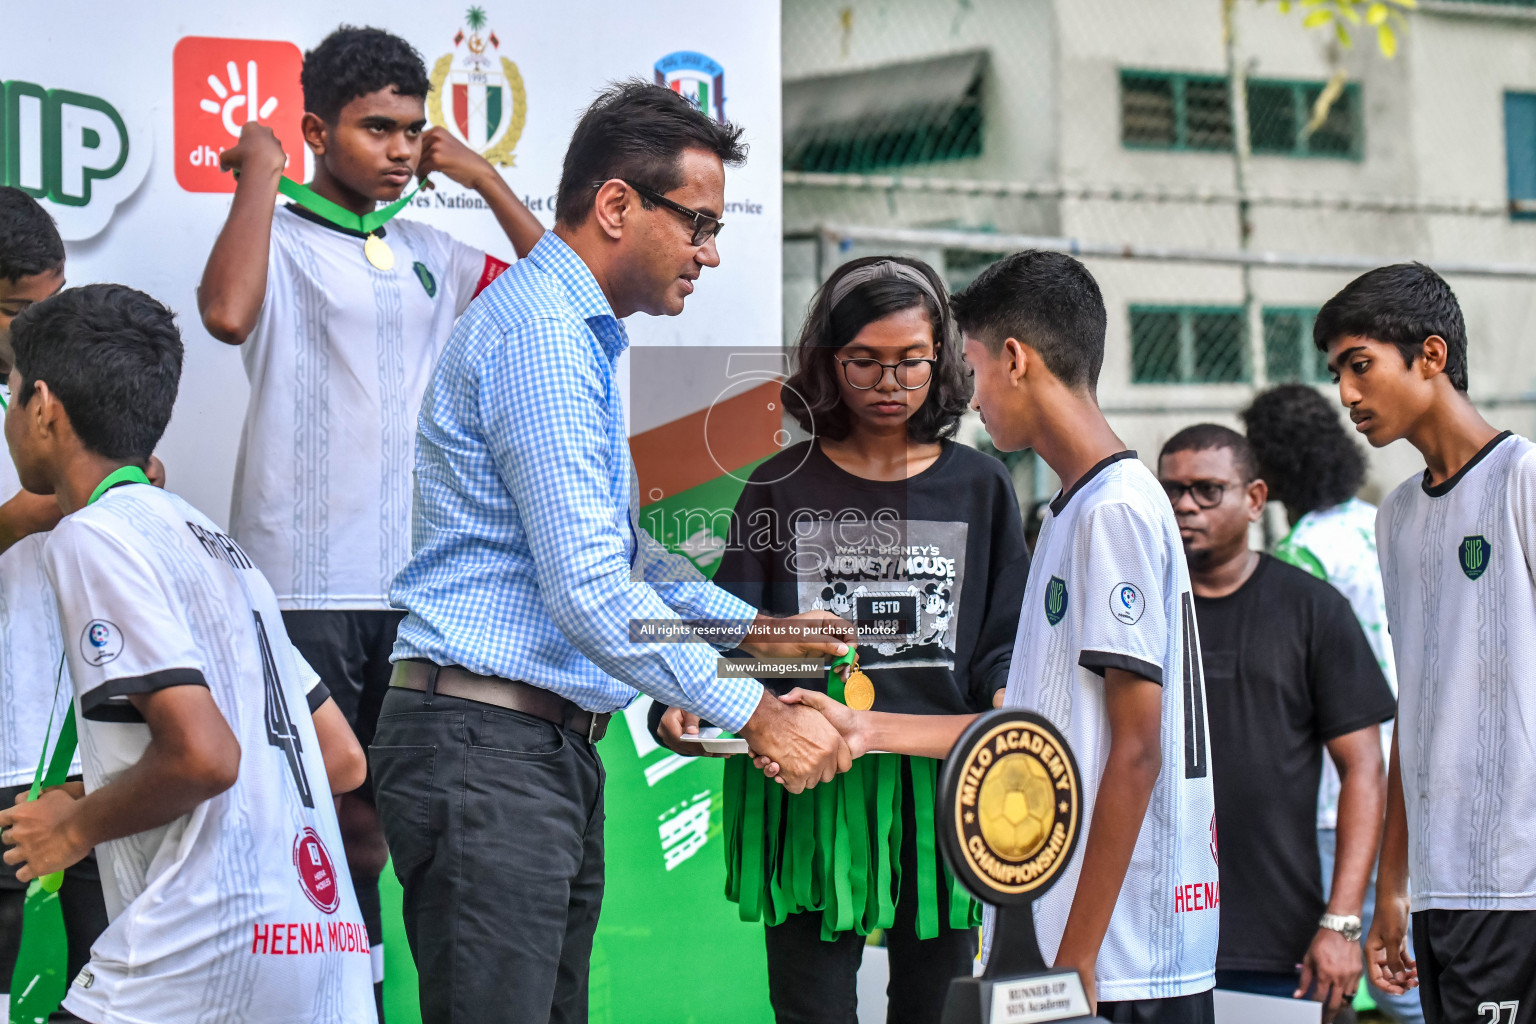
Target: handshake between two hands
803	737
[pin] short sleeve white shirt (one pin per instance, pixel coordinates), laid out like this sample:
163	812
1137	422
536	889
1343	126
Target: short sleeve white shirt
338	363
1108	588
242	907
1458	561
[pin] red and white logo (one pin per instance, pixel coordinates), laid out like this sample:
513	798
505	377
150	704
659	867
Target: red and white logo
220	84
317	875
1213	840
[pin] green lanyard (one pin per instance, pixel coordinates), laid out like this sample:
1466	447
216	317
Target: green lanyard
342	217
121	475
53	771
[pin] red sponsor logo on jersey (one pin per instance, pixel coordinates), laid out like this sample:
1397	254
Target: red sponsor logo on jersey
302	938
317	875
219	85
1196	896
492	270
1213	839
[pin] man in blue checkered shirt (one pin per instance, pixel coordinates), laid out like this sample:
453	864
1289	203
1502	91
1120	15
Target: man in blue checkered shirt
529	570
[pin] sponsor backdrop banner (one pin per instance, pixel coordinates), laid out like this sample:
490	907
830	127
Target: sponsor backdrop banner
116	124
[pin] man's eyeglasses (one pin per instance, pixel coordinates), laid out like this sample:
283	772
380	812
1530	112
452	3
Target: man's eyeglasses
864	374
1207	493
705	227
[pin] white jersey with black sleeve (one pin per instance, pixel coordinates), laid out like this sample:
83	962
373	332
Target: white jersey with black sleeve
1458	561
243	908
1108	588
338	363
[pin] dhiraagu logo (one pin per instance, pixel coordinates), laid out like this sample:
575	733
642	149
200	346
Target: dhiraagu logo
73	151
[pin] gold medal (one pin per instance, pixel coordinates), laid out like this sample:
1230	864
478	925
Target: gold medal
378	252
859	692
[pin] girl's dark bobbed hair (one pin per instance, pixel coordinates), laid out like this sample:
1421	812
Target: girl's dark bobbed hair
827	329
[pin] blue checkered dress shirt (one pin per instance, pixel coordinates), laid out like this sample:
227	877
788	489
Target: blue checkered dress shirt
527	561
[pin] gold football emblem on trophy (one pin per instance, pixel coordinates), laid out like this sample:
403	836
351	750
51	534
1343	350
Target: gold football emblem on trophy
859	691
1014	806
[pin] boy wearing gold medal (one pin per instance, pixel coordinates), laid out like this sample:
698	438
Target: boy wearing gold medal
340	313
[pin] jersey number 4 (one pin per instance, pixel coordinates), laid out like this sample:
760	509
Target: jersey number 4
1196	758
281	732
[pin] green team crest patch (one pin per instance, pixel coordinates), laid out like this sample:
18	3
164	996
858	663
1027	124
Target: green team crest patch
424	275
1474	553
1055	600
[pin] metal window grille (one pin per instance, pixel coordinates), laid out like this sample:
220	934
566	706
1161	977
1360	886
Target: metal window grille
1289	355
1188	345
875	125
1171	110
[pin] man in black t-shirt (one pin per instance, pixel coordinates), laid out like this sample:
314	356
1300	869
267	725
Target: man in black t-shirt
1288	673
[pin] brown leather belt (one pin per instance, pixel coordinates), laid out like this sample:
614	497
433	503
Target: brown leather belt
512	694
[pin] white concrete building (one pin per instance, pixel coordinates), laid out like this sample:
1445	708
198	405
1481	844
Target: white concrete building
1107	122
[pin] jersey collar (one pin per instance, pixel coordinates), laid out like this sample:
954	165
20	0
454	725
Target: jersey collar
310	215
1060	502
1443	488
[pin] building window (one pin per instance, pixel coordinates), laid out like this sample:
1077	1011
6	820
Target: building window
1163	111
1209	345
895	115
1188	345
1169	110
1289	355
1520	153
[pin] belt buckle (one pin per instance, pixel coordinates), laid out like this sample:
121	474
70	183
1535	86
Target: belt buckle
592	720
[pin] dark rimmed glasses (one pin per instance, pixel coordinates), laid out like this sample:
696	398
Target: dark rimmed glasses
864	374
705	227
1207	493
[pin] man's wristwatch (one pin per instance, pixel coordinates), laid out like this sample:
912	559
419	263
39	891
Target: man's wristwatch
1347	925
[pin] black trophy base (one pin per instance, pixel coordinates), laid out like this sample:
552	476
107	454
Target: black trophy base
1026	999
1017	987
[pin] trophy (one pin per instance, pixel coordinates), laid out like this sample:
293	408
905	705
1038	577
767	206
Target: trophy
1010	813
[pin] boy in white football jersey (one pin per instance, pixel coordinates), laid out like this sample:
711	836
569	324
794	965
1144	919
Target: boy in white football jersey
341	312
1107	650
208	788
1458	555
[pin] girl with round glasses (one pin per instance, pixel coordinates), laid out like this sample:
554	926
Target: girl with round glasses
885	520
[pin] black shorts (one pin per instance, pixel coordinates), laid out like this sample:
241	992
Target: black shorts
350	651
1476	966
1199	1008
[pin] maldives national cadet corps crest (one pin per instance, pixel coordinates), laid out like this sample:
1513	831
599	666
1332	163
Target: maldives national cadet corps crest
698	79
477	95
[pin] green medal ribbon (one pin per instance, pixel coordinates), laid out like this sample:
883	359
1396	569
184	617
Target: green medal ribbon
836	849
32	997
121	475
342	217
